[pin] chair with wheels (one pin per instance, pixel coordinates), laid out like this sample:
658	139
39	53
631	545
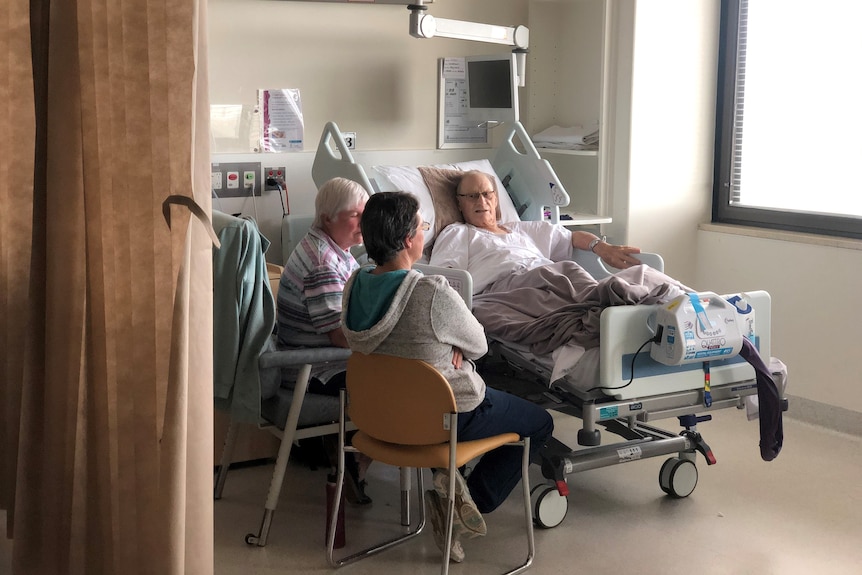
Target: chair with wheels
405	413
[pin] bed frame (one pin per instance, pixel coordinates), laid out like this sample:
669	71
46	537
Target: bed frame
656	392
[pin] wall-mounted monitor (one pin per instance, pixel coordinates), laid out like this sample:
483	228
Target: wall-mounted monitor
492	88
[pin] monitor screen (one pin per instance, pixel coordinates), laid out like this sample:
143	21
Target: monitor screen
492	88
490	83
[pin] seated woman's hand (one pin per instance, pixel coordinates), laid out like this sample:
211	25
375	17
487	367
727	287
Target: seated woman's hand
620	257
457	358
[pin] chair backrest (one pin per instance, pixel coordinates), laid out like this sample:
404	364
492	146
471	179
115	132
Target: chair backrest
274	273
398	400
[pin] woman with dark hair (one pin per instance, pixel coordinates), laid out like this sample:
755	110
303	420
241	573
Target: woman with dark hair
395	310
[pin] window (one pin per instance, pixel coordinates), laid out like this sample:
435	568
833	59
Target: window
789	116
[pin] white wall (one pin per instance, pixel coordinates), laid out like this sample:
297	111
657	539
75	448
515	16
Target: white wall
673	108
812	281
814	289
354	63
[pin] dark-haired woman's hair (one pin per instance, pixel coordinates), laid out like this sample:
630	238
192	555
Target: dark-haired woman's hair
389	217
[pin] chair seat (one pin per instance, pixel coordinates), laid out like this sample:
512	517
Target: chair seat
316	409
436	455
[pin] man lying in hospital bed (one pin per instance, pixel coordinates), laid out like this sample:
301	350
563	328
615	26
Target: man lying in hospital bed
526	288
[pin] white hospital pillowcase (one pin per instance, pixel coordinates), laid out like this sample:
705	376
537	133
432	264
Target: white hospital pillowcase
408	179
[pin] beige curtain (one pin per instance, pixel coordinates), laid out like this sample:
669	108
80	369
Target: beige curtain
105	400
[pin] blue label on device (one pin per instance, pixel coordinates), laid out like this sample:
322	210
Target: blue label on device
609	412
710	353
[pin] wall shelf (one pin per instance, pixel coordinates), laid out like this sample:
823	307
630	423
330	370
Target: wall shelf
583	219
565	152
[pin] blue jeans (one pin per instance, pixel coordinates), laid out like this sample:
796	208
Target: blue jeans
499	471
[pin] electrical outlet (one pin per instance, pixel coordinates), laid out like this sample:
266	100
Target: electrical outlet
248	180
233	180
350	139
236	179
277	173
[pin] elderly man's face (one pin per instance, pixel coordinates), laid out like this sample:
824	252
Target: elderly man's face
478	201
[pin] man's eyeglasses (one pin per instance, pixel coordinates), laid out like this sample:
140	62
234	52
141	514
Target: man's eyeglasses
474	197
425	226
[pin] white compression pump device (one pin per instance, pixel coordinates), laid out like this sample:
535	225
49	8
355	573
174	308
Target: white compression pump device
696	327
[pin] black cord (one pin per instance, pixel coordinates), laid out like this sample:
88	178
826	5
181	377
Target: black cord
277	184
284	212
634	357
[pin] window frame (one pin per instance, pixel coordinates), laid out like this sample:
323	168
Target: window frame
723	212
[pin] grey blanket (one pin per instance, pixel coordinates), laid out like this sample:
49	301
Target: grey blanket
551	305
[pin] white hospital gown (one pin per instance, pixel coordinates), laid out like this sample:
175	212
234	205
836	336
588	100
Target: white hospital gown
489	256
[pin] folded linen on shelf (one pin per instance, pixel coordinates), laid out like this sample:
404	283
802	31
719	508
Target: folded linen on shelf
574	137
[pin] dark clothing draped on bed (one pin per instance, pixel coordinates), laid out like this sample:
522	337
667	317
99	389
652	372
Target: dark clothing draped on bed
548	306
769	400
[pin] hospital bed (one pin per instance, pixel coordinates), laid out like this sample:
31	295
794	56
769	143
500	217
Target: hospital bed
612	386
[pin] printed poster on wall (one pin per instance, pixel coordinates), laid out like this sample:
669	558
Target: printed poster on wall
281	120
454	130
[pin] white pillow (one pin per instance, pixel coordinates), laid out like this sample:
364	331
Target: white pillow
408	179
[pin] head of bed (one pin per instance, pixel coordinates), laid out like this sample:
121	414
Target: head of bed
527	184
530	181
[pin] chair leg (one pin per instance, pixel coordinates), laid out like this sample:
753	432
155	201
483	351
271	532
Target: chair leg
281	461
226	456
333	519
275	484
404	473
450	516
374	549
528	511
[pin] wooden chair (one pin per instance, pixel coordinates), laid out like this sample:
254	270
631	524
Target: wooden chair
405	414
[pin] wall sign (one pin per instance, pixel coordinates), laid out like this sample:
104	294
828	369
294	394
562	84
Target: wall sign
453	129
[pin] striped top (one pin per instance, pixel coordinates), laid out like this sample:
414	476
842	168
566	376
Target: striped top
309	293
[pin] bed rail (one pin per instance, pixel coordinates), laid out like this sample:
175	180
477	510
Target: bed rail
519	172
328	165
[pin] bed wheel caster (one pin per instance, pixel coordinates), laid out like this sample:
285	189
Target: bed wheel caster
549	507
678	477
589	438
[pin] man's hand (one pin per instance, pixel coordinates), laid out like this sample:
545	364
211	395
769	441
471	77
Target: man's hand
620	257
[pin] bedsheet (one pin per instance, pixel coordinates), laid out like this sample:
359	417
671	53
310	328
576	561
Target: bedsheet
570	368
549	306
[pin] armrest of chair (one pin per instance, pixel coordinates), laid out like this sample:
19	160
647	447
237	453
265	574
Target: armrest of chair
273	359
297	357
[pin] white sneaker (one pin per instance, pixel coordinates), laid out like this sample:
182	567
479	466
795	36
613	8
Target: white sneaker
437	514
467	515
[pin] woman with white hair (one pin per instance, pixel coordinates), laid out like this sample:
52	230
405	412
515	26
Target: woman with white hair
309	293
